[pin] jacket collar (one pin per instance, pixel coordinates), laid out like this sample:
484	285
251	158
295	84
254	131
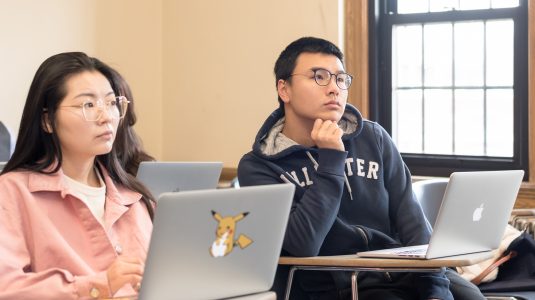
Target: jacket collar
54	182
270	143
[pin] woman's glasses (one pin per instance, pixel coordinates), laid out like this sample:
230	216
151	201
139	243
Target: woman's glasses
92	109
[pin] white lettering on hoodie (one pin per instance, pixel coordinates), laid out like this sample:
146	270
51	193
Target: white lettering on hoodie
363	169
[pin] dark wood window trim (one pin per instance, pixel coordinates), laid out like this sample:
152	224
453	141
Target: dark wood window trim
356	49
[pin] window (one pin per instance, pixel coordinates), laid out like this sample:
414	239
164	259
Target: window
448	81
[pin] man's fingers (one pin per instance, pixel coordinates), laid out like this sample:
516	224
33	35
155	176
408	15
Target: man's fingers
321	126
316	128
327	134
328	128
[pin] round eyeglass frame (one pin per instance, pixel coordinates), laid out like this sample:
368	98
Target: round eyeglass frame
330	75
119	99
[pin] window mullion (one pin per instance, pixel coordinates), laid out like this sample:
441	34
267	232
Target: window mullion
485	150
422	88
453	87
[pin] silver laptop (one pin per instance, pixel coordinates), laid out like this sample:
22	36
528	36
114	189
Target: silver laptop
214	244
472	218
161	177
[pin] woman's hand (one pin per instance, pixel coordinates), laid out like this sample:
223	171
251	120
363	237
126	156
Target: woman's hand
125	270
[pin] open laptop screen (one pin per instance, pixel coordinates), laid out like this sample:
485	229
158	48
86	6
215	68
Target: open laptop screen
162	177
214	244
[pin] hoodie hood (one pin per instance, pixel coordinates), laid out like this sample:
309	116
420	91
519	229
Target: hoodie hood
271	143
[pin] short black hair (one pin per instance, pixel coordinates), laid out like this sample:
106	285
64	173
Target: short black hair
285	64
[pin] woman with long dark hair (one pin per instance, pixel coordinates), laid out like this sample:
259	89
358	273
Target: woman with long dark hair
75	222
127	143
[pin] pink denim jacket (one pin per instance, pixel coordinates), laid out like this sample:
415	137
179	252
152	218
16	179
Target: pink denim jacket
51	245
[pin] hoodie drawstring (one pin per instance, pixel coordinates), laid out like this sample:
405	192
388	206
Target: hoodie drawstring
315	163
348	187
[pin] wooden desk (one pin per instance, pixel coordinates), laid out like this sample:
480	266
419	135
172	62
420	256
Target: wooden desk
259	296
358	264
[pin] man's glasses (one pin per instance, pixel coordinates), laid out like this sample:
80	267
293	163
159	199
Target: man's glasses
92	108
323	78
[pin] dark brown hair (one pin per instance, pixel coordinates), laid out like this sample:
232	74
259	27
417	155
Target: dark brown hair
38	150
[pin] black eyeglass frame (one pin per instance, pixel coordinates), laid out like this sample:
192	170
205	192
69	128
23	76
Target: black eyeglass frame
330	78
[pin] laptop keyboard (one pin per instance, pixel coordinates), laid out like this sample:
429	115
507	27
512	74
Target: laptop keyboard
420	251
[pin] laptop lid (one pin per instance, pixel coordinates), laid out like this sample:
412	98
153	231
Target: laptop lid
187	260
472	217
161	177
474	212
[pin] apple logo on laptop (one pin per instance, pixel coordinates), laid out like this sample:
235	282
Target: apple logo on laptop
478	213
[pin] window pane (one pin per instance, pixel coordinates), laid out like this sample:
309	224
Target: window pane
469	122
500	48
469	46
437	122
500	123
474	4
438	54
407	56
407	120
504	3
412	6
442	5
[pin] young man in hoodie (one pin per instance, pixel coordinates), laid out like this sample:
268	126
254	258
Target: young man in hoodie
353	189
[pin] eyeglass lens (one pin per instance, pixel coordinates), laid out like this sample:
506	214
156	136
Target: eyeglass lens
115	107
323	77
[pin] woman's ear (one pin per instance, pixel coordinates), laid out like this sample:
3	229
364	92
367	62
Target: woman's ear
45	123
283	90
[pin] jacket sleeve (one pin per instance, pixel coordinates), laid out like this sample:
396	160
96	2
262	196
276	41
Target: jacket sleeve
314	209
405	212
407	215
17	280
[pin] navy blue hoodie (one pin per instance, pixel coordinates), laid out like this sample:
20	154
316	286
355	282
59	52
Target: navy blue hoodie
345	201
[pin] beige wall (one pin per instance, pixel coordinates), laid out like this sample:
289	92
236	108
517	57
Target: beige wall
126	34
218	61
130	39
201	71
31	31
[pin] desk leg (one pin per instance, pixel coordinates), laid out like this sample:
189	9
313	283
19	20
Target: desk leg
289	283
354	286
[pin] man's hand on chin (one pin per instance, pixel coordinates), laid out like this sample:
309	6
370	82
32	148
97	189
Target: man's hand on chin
327	134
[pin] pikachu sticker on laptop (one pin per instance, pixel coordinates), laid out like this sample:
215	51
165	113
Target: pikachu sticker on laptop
226	229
